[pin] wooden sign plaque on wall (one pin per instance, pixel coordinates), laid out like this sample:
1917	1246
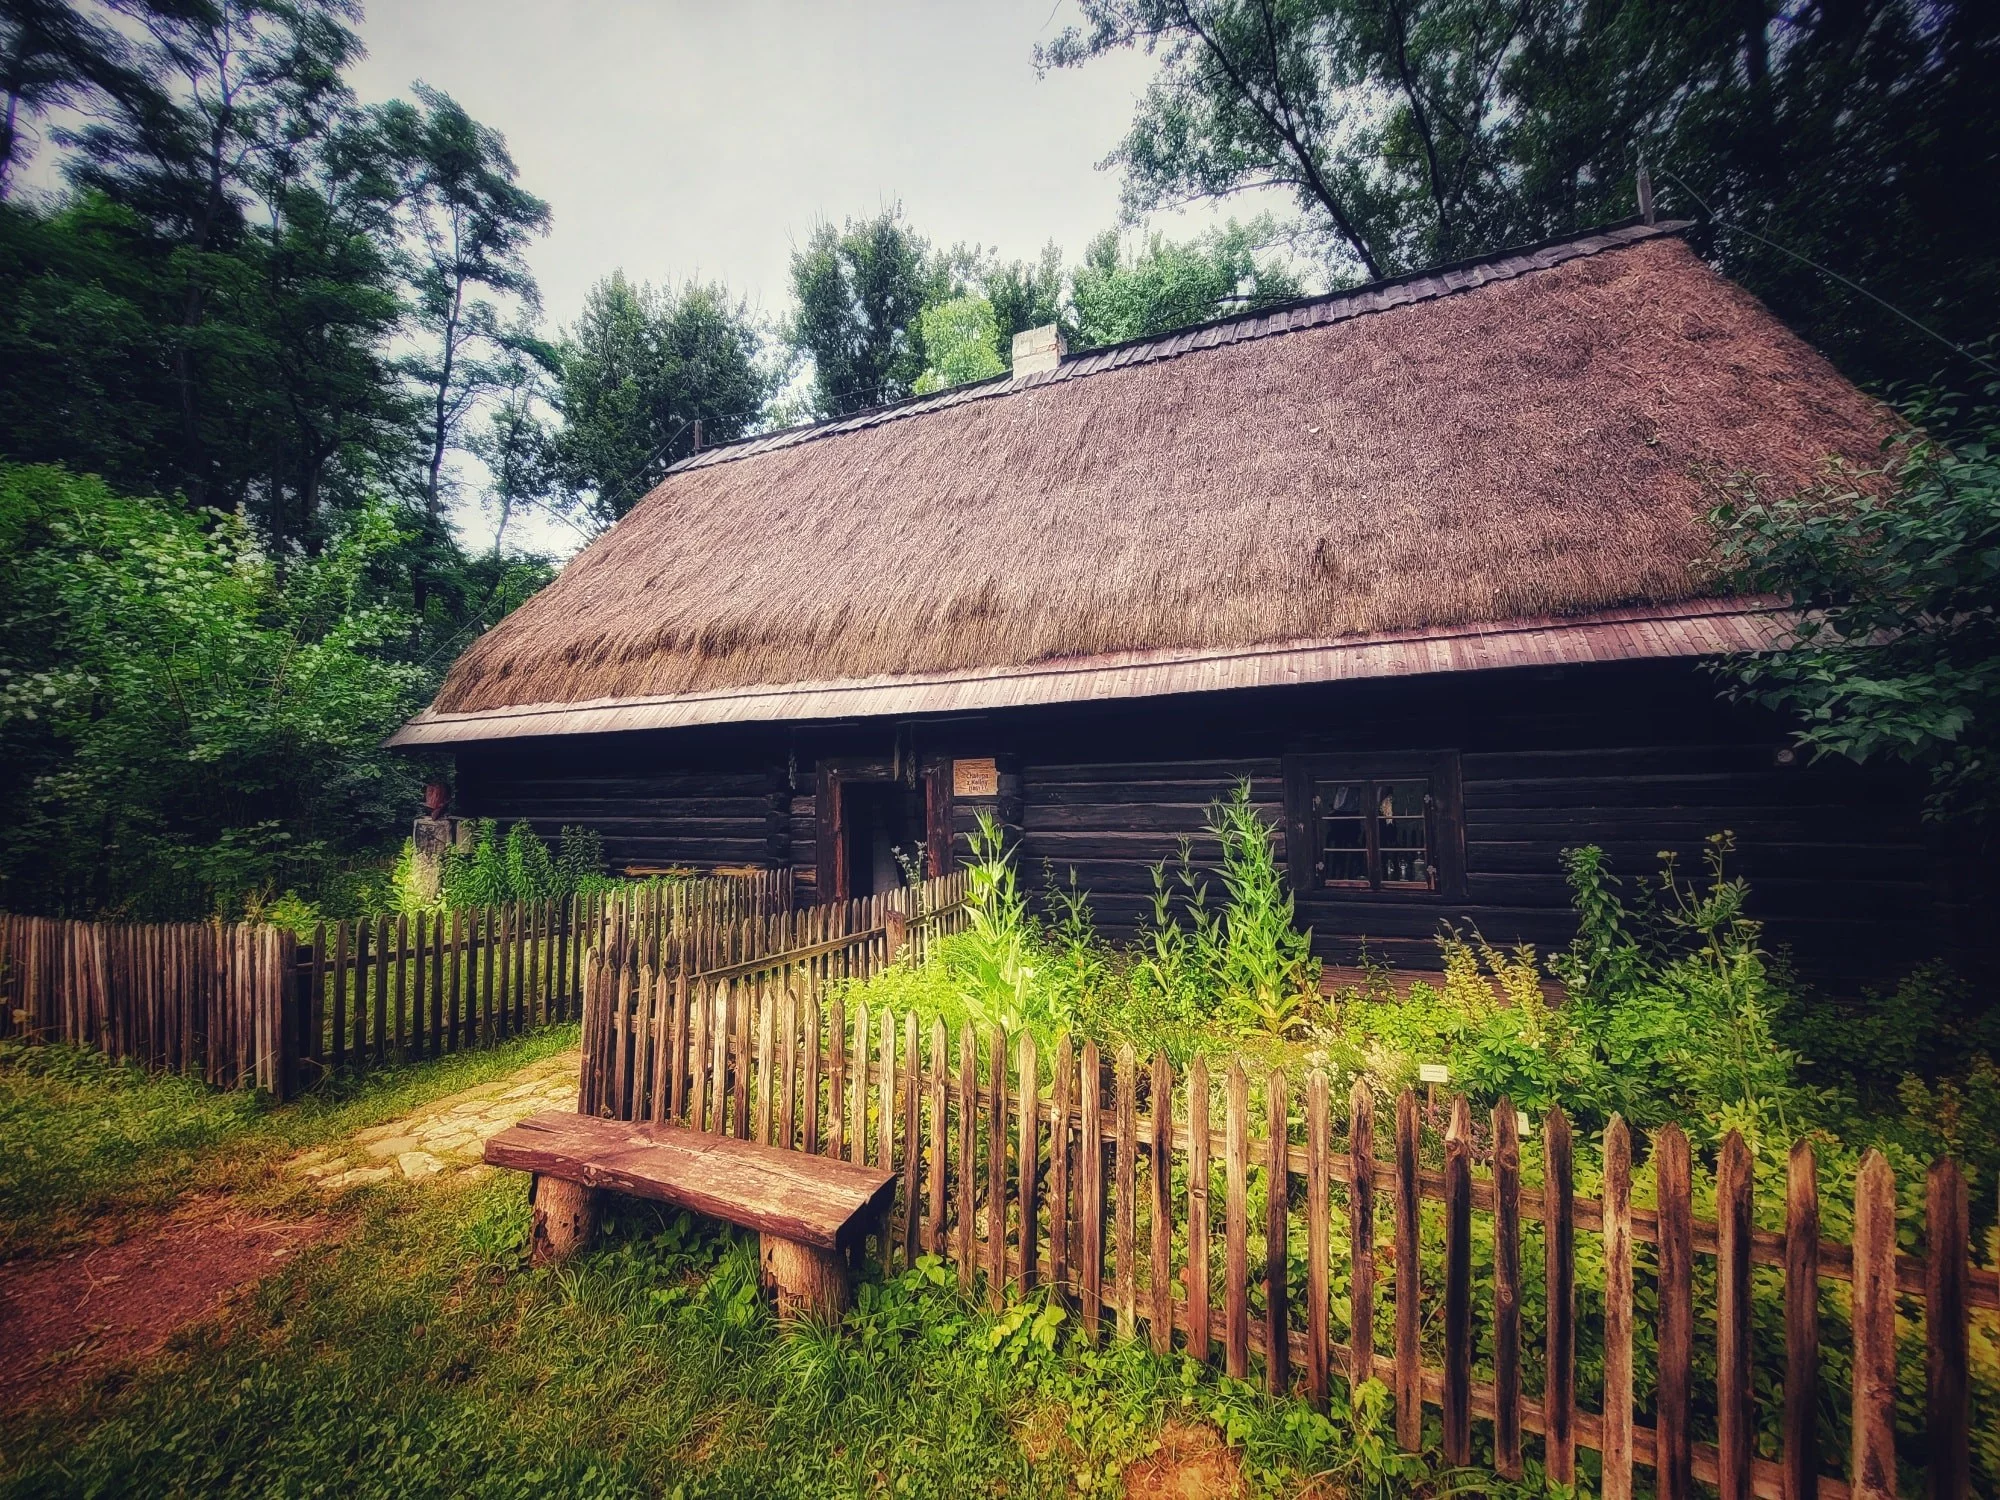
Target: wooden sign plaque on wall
975	778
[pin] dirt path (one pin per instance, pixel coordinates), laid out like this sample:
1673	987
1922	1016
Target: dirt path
67	1318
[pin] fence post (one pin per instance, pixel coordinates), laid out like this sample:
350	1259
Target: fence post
1235	1211
1361	1233
1125	1191
1616	1441
1506	1290
1277	1239
1199	1301
1160	1179
1409	1370
1735	1423
1559	1227
1947	1333
1799	1447
1317	1209
1457	1401
1872	1473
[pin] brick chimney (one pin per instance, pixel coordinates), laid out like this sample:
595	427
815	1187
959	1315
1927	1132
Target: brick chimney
1038	350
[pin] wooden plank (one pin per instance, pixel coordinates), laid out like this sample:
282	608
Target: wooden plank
857	1124
1457	1392
885	1105
767	1052
1125	1193
1236	1213
940	1136
808	1199
1735	1422
1615	1440
996	1166
1674	1392
913	1154
1199	1305
381	1047
1799	1447
836	1078
340	994
1160	1208
740	999
700	1010
809	1034
680	1047
402	995
968	1129
1506	1290
1090	1188
785	1047
1409	1278
1947	1334
1277	1237
1317	1248
1872	1461
1361	1233
1063	1100
718	1059
1027	1161
1559	1257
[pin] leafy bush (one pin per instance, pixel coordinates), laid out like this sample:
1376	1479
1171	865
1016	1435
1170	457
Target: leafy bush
186	726
488	869
1199	978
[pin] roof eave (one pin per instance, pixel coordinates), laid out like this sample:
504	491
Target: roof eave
1703	627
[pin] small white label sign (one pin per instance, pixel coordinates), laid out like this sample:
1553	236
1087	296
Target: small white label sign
1433	1073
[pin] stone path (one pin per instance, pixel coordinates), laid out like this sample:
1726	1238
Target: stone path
445	1138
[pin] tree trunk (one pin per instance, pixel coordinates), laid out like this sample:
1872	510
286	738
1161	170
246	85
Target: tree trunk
565	1220
809	1282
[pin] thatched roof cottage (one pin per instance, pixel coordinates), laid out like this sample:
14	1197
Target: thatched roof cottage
1425	561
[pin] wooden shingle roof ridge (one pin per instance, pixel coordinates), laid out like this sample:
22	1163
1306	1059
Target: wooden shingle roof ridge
1295	315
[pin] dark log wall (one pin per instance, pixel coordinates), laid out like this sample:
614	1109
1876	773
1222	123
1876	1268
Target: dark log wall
1637	758
658	805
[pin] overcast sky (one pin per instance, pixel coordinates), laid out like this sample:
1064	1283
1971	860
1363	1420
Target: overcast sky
680	139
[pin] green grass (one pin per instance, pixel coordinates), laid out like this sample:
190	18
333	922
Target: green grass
89	1147
419	1357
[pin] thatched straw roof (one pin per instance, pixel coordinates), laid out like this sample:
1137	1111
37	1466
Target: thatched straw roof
1515	454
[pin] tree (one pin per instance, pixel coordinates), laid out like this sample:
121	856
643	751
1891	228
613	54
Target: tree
1894	574
518	447
861	291
1025	294
961	343
1163	286
1417	131
467	223
639	369
230	83
53	58
182	724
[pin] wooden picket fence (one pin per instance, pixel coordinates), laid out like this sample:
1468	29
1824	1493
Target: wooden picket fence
1025	1175
185	997
248	1005
394	988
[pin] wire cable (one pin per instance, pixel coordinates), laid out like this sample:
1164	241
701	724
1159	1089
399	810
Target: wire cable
1849	282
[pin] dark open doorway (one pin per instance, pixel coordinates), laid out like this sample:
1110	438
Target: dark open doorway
877	819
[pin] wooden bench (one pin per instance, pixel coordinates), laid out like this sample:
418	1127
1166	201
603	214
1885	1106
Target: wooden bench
810	1212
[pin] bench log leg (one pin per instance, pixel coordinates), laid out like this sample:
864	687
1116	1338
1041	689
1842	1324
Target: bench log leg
565	1219
809	1282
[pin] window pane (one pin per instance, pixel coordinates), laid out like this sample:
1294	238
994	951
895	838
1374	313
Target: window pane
1403	831
1344	832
